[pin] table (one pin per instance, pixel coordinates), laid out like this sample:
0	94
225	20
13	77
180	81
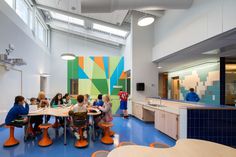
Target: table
183	148
91	115
63	112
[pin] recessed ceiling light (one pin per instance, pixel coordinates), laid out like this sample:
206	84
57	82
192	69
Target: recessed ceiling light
145	21
110	30
212	52
68	56
45	75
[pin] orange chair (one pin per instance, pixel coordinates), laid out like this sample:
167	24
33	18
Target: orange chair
46	140
106	139
100	153
80	123
158	145
125	144
11	141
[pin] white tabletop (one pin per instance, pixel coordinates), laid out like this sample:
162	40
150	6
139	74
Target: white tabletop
183	148
59	112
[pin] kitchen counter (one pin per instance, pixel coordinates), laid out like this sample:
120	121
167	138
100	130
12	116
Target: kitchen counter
179	119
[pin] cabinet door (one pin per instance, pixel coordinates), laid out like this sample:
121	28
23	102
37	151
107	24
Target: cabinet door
171	125
160	120
139	110
134	109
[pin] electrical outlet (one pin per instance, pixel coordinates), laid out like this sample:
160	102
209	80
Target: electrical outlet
213	97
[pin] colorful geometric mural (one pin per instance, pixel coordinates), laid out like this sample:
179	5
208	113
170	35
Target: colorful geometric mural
97	74
205	79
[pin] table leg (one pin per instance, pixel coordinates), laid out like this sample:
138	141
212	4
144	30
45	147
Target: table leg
64	130
92	125
26	129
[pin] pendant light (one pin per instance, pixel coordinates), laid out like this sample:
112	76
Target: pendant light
145	21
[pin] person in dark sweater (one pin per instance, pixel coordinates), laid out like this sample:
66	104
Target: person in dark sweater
14	116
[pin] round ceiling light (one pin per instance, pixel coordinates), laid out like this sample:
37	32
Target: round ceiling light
145	21
68	56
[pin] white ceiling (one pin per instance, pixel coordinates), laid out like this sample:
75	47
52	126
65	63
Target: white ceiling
116	17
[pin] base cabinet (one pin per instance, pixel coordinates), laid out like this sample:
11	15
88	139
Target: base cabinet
167	123
137	110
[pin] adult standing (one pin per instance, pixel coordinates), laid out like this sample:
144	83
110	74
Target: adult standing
123	102
192	96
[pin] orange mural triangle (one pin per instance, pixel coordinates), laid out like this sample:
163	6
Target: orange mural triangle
123	75
99	62
81	62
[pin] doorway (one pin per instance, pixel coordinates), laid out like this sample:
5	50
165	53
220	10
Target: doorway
175	88
163	85
43	83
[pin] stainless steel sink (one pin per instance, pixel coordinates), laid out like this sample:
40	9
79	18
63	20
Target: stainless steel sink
156	105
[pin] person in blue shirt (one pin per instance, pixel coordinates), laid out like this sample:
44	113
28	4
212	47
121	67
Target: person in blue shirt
14	116
99	101
192	96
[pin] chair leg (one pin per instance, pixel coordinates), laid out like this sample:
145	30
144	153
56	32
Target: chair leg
81	142
12	141
106	139
46	140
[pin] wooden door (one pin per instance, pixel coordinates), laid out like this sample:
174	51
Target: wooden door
163	85
175	88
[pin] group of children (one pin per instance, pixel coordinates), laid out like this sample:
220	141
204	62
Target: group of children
17	115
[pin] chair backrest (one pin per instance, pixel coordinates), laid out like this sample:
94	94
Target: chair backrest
79	119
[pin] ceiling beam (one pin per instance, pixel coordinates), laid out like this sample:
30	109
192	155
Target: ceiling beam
87	33
47	8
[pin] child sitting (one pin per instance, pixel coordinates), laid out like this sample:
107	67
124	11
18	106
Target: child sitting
98	101
106	110
14	116
76	111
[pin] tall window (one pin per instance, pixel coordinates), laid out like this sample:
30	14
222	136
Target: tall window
22	10
10	3
41	32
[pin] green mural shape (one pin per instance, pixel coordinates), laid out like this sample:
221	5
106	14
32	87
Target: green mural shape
115	91
98	73
88	66
101	84
94	91
85	86
72	68
113	63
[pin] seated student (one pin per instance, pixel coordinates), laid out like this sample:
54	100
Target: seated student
192	96
98	101
79	108
42	102
14	116
86	100
106	109
57	102
66	100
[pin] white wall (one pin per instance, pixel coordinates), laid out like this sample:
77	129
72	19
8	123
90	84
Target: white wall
13	30
127	53
143	70
60	43
179	29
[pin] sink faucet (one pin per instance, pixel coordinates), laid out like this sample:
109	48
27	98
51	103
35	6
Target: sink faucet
159	99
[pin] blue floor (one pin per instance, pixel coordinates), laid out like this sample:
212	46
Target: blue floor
132	130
